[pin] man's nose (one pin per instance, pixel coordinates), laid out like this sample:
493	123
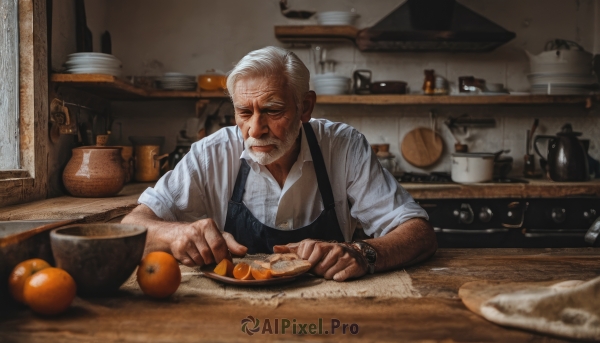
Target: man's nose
258	125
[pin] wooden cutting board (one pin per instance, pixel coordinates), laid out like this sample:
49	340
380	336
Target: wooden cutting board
475	293
422	147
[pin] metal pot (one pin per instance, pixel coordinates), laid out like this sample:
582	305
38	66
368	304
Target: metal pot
472	167
147	162
388	87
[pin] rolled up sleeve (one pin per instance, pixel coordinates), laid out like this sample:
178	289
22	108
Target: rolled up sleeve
377	200
179	194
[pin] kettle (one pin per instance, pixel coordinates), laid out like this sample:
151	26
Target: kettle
362	81
567	158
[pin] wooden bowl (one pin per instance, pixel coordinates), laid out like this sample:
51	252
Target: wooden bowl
100	257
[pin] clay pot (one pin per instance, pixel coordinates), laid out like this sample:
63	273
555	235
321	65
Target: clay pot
94	172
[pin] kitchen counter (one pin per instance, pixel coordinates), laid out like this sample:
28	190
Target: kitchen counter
434	314
536	188
105	209
68	207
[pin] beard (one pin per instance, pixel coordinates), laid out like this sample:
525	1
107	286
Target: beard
281	146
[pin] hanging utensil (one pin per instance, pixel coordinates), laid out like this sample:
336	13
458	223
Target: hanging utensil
531	133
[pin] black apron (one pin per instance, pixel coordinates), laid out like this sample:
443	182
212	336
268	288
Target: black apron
260	238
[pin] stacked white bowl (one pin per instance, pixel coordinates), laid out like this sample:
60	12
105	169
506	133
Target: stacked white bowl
93	63
330	84
177	81
336	18
562	72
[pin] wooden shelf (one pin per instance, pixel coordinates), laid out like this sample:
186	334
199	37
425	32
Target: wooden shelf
315	33
456	100
114	88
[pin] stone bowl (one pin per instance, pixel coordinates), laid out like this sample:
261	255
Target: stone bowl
99	257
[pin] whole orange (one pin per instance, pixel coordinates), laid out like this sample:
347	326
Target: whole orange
49	291
158	274
23	270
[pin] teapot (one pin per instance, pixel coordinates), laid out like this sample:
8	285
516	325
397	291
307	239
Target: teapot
567	158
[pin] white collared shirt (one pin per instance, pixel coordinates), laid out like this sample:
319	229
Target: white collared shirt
202	184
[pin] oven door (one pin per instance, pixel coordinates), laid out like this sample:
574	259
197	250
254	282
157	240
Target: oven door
511	223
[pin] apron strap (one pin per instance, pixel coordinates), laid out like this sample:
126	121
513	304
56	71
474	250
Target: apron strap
240	182
320	170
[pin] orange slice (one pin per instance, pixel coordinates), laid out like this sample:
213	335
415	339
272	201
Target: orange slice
224	268
242	271
259	272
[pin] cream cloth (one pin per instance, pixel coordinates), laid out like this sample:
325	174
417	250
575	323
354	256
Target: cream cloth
569	309
394	284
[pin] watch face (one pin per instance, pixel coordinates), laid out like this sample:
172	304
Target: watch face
370	255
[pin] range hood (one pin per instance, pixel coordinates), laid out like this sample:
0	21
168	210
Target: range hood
433	26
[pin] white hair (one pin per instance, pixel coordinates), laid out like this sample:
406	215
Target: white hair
270	61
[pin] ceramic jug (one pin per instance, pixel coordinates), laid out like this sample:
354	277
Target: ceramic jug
566	158
94	172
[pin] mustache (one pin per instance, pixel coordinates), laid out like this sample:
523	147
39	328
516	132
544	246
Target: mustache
250	142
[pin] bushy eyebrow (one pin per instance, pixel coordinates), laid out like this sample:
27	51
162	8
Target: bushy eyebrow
267	105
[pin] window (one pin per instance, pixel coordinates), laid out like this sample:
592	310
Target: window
9	86
23	101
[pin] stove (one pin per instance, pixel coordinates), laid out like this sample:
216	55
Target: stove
512	223
507	222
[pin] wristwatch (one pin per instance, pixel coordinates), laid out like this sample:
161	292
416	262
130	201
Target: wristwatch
368	252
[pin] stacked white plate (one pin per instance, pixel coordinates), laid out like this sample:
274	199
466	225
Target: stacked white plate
176	81
562	72
562	84
562	89
330	84
93	63
336	18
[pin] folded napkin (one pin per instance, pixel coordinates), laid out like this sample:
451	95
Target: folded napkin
568	309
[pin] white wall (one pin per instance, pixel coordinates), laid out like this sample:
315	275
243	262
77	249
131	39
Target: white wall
156	36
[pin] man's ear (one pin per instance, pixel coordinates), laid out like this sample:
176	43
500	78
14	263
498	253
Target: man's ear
308	104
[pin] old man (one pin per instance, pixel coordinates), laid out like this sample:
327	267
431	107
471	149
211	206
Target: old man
280	181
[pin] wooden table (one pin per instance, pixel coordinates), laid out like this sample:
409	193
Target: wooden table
92	210
438	315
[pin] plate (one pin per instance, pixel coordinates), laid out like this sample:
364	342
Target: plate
209	273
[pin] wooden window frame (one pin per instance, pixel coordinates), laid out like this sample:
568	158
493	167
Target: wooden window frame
30	182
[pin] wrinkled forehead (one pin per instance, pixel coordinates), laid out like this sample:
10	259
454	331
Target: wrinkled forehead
262	88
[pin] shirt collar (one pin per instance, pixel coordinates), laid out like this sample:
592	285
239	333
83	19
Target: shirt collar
304	154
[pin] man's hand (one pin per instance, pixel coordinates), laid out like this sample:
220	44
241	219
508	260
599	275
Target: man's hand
201	243
330	260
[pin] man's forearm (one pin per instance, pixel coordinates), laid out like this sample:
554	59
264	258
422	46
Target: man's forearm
157	228
409	243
